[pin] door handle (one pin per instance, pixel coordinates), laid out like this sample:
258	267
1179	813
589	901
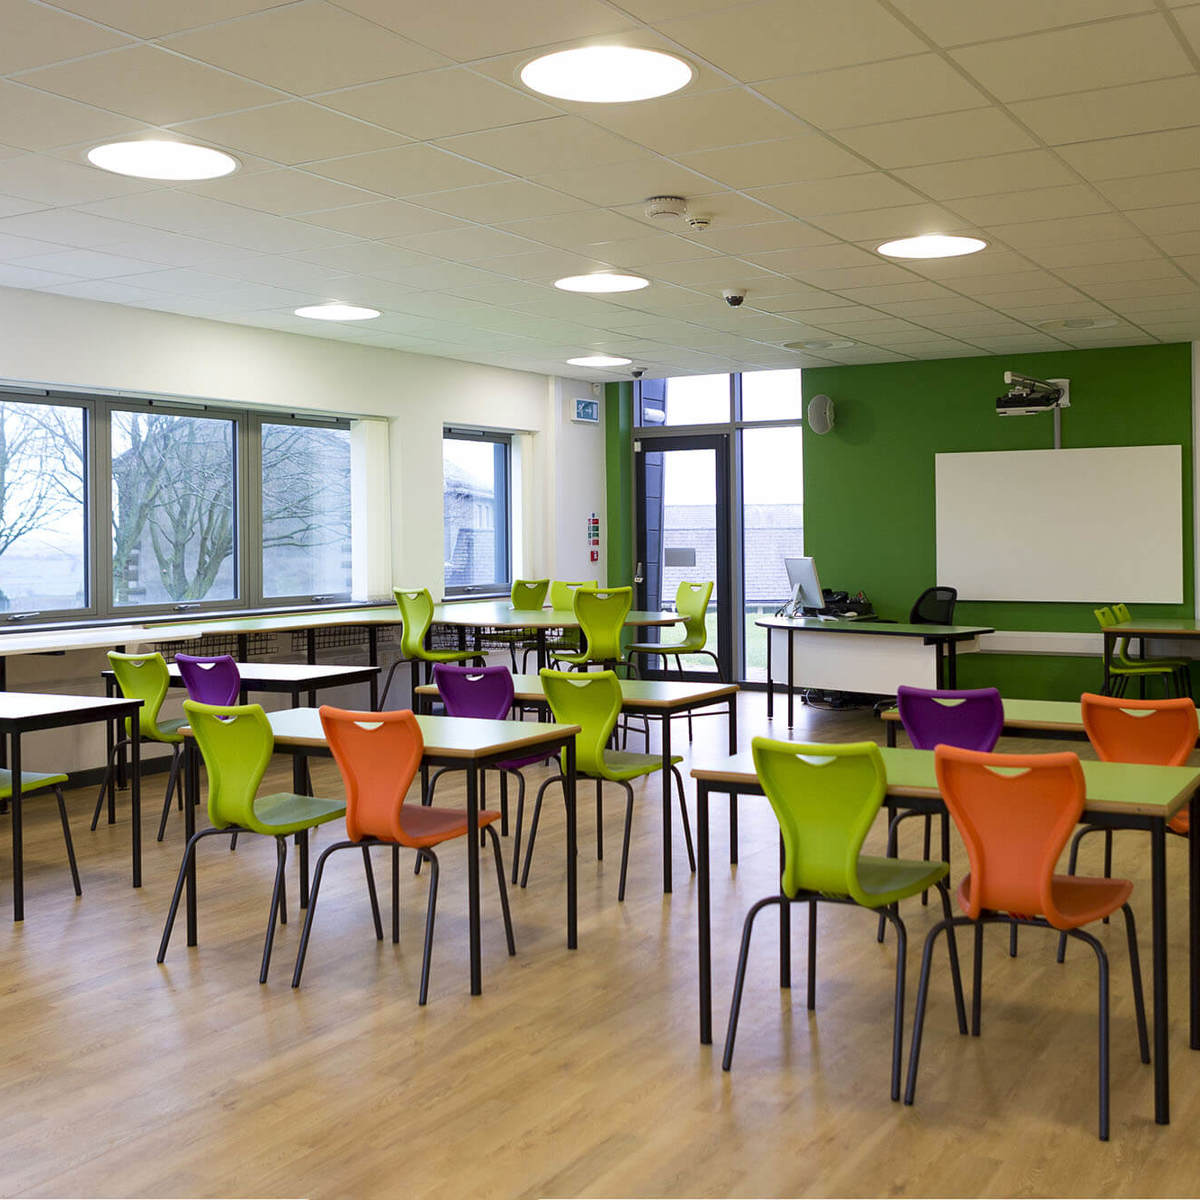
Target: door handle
639	573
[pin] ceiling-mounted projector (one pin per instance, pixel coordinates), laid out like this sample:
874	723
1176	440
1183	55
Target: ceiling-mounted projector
1026	396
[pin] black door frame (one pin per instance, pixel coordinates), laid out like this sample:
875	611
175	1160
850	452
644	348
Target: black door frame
719	444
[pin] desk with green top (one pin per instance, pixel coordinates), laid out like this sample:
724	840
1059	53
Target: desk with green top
1149	627
1022	718
644	697
1119	796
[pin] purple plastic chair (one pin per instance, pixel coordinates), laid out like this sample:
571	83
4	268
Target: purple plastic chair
970	718
210	680
486	693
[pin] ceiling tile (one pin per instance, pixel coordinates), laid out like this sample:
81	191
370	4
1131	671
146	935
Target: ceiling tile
1152	191
462	29
725	210
289	133
767	235
1148	268
1174	218
951	22
918	86
466	245
493	203
993	173
1063	231
87	264
620	183
975	133
1116	250
305	48
851	193
687	122
435	104
554	144
35	120
68	227
150	85
384	219
1034	204
35	35
284	192
1143	154
757	164
1105	54
1134	108
904	220
795	262
782	37
856	277
406	170
577	231
53	181
163	16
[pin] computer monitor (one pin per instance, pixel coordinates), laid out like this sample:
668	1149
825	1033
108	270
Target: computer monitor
802	578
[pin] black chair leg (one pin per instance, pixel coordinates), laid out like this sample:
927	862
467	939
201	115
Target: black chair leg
310	915
533	824
508	929
110	782
188	852
739	980
278	906
914	1056
599	820
687	827
977	982
1135	968
1102	979
66	828
955	968
812	955
891	914
625	841
427	956
516	848
395	894
370	870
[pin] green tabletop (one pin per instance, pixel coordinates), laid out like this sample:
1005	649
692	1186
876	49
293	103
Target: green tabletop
885	628
1064	715
1129	788
500	614
665	694
1156	627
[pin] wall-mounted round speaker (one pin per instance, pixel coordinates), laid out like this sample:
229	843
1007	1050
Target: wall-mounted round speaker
820	414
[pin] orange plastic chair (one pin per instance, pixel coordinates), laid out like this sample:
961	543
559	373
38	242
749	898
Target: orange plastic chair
1015	813
378	754
1159	732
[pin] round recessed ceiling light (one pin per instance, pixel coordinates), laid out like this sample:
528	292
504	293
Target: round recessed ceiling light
336	312
832	344
599	360
932	245
1074	324
606	74
602	281
155	158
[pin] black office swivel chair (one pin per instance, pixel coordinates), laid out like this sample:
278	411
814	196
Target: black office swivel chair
934	606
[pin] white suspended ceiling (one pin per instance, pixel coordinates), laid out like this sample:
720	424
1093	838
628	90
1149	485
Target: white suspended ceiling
391	159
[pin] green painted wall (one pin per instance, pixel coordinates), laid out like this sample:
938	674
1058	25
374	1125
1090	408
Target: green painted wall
869	486
618	453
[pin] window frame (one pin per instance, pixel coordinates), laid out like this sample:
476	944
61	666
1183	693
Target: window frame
98	410
495	587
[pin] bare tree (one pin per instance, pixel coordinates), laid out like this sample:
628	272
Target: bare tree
36	482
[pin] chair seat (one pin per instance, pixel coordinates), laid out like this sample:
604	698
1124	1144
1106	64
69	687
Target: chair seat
285	812
448	656
887	880
583	659
515	764
1156	667
1080	899
30	781
167	731
625	764
429	826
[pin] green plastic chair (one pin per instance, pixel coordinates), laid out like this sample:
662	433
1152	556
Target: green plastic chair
1122	668
36	781
142	677
825	798
593	702
416	611
562	599
1182	666
236	744
526	595
601	614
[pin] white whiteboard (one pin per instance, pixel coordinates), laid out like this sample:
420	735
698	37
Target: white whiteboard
1096	525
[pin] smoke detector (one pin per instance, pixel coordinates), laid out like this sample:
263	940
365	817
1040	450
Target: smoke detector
661	208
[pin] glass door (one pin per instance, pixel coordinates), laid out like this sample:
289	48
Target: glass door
682	485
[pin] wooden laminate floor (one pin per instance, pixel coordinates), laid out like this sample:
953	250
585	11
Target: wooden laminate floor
574	1074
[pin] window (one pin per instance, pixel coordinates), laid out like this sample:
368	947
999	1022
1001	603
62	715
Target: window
475	500
772	396
688	400
117	506
305	511
43	507
174	511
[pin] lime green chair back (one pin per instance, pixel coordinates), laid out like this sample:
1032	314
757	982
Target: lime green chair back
825	798
528	595
1121	613
143	677
562	592
1108	619
237	744
601	614
591	700
416	610
691	603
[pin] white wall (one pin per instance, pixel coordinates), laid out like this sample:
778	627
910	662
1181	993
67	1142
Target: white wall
63	341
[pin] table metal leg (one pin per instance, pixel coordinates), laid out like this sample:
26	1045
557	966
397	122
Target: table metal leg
569	790
1108	648
791	678
770	680
191	794
952	652
18	849
135	803
785	929
373	658
1194	918
1158	908
704	930
891	732
542	660
733	805
666	801
473	878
